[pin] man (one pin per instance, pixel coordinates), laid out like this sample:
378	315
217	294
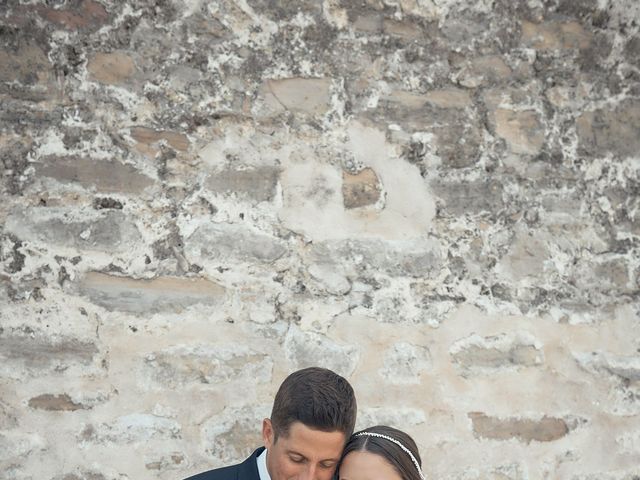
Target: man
313	415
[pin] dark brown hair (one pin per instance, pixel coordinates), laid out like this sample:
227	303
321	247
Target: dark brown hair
318	398
388	450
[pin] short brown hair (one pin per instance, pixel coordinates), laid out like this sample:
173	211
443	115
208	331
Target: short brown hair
388	450
316	397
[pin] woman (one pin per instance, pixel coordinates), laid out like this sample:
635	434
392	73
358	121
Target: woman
381	453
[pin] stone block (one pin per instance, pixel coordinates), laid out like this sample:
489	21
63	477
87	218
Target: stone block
207	365
526	256
360	189
111	68
330	280
52	402
619	375
522	130
149	136
402	29
106	230
144	296
89	15
368	23
614	131
254	183
444	98
306	349
469	197
228	243
414	258
614	273
42	353
134	428
449	98
545	429
300	95
632	50
234	433
403	363
104	176
485	70
14	164
28	65
458	144
485	355
555	35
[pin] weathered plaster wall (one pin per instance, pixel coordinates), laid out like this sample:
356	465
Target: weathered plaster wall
438	199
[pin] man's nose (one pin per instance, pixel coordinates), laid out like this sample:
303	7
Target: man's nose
309	473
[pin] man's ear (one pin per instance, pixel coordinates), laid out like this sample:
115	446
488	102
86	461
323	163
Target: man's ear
268	434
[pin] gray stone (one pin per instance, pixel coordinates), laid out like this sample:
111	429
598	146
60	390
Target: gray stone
484	70
149	136
104	176
38	352
330	279
85	15
522	130
615	273
107	230
142	296
113	68
225	243
306	349
255	183
133	428
301	95
415	258
485	355
545	429
526	256
405	30
207	365
626	368
555	35
26	65
471	197
614	131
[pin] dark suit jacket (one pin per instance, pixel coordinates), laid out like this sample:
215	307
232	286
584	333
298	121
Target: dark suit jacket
247	470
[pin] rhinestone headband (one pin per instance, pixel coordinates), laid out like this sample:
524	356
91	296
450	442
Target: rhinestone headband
397	442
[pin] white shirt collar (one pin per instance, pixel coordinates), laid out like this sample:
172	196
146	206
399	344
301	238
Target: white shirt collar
262	466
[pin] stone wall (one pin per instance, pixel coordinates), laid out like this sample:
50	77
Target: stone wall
439	199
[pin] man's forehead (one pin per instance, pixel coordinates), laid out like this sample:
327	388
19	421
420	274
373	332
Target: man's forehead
304	439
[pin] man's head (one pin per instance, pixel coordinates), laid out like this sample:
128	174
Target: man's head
314	413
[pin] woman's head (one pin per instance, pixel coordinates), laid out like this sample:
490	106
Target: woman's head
380	452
